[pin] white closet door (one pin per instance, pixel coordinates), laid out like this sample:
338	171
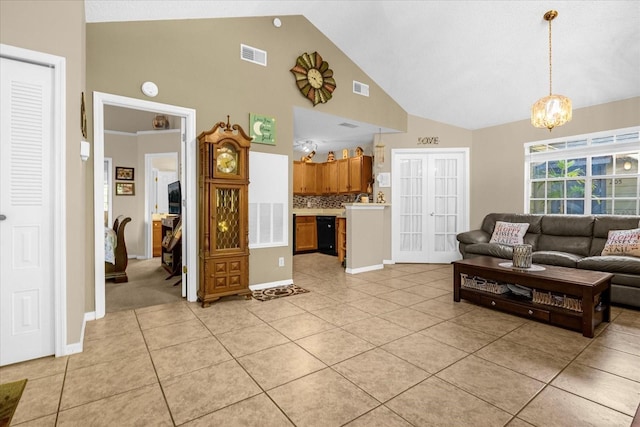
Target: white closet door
26	279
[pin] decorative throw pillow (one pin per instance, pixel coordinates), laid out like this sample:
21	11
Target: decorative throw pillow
509	233
623	242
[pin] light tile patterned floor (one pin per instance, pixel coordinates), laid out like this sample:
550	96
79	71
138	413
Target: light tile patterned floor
385	348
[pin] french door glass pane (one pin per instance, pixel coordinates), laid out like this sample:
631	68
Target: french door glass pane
601	207
625	207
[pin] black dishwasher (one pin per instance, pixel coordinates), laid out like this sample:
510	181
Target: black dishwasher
326	234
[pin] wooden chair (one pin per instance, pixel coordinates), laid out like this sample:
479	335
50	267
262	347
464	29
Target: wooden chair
117	271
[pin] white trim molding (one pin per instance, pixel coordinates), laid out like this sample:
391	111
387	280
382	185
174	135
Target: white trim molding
189	188
268	285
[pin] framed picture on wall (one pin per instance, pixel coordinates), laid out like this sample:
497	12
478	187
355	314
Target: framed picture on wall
124	174
125	189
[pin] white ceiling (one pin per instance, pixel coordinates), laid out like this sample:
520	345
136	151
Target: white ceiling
471	64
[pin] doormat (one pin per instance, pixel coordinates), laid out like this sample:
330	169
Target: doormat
10	394
278	292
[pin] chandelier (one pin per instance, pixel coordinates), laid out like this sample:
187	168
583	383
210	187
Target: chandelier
552	110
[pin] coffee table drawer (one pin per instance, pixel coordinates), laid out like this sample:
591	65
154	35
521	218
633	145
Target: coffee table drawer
515	308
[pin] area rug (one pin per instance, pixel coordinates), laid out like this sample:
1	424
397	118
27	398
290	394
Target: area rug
10	394
278	292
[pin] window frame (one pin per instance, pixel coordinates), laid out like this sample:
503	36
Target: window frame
588	146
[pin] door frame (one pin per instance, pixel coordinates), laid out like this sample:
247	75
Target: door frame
58	187
190	195
426	151
109	161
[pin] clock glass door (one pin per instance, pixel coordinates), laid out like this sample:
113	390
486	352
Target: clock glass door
227	218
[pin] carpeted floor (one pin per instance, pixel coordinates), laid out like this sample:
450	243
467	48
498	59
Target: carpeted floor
147	286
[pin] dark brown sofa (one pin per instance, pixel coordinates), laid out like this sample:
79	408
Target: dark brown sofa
565	240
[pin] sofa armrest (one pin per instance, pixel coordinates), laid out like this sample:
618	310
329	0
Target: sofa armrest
474	236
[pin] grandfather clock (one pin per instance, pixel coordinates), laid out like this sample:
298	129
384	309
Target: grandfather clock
224	222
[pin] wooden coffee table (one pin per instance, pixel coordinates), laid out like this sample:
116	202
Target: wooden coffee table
592	287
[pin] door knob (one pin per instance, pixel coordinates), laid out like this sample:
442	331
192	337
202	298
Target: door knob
2	217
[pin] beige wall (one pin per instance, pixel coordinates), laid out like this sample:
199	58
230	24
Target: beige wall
497	160
58	28
196	64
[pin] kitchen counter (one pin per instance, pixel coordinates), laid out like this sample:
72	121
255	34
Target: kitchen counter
318	212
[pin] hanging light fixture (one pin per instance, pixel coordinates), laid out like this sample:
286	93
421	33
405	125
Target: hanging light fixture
552	110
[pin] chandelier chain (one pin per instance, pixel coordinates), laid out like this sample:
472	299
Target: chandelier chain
550	90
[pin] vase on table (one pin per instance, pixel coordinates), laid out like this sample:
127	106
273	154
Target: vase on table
522	256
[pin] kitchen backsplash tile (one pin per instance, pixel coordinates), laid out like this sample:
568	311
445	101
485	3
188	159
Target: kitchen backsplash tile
321	202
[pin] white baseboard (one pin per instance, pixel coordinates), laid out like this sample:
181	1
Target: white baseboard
78	346
364	269
268	285
388	261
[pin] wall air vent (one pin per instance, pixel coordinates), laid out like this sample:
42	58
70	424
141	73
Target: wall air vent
360	88
252	54
348	125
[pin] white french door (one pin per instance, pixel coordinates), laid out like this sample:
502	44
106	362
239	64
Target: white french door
429	204
26	228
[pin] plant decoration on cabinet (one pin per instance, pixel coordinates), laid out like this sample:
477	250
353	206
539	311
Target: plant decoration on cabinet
314	78
224	212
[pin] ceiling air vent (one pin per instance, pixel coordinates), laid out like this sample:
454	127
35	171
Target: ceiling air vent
360	88
251	54
348	125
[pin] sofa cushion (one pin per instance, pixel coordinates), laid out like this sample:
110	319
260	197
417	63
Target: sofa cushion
562	259
489	222
611	264
605	223
623	242
567	225
490	249
574	244
509	233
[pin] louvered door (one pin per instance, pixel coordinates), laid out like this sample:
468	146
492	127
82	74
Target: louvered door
26	279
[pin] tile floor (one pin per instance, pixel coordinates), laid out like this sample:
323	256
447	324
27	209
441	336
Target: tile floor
384	348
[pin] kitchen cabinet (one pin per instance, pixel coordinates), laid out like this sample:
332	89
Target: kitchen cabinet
306	234
354	174
305	178
329	177
344	176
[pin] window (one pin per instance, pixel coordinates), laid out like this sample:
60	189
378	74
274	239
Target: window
586	174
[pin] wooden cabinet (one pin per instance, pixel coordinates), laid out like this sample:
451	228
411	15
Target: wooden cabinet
306	178
306	234
329	177
171	250
157	238
341	238
224	212
344	176
360	173
354	174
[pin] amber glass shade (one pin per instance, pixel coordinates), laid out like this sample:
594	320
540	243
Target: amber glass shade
551	111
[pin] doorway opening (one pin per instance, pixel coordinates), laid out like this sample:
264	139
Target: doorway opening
186	119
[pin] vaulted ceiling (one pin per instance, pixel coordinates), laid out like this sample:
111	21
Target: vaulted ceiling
471	64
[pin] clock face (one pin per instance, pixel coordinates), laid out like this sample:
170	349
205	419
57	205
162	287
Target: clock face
226	162
314	78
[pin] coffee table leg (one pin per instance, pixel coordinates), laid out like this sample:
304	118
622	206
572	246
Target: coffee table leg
587	313
606	302
456	283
